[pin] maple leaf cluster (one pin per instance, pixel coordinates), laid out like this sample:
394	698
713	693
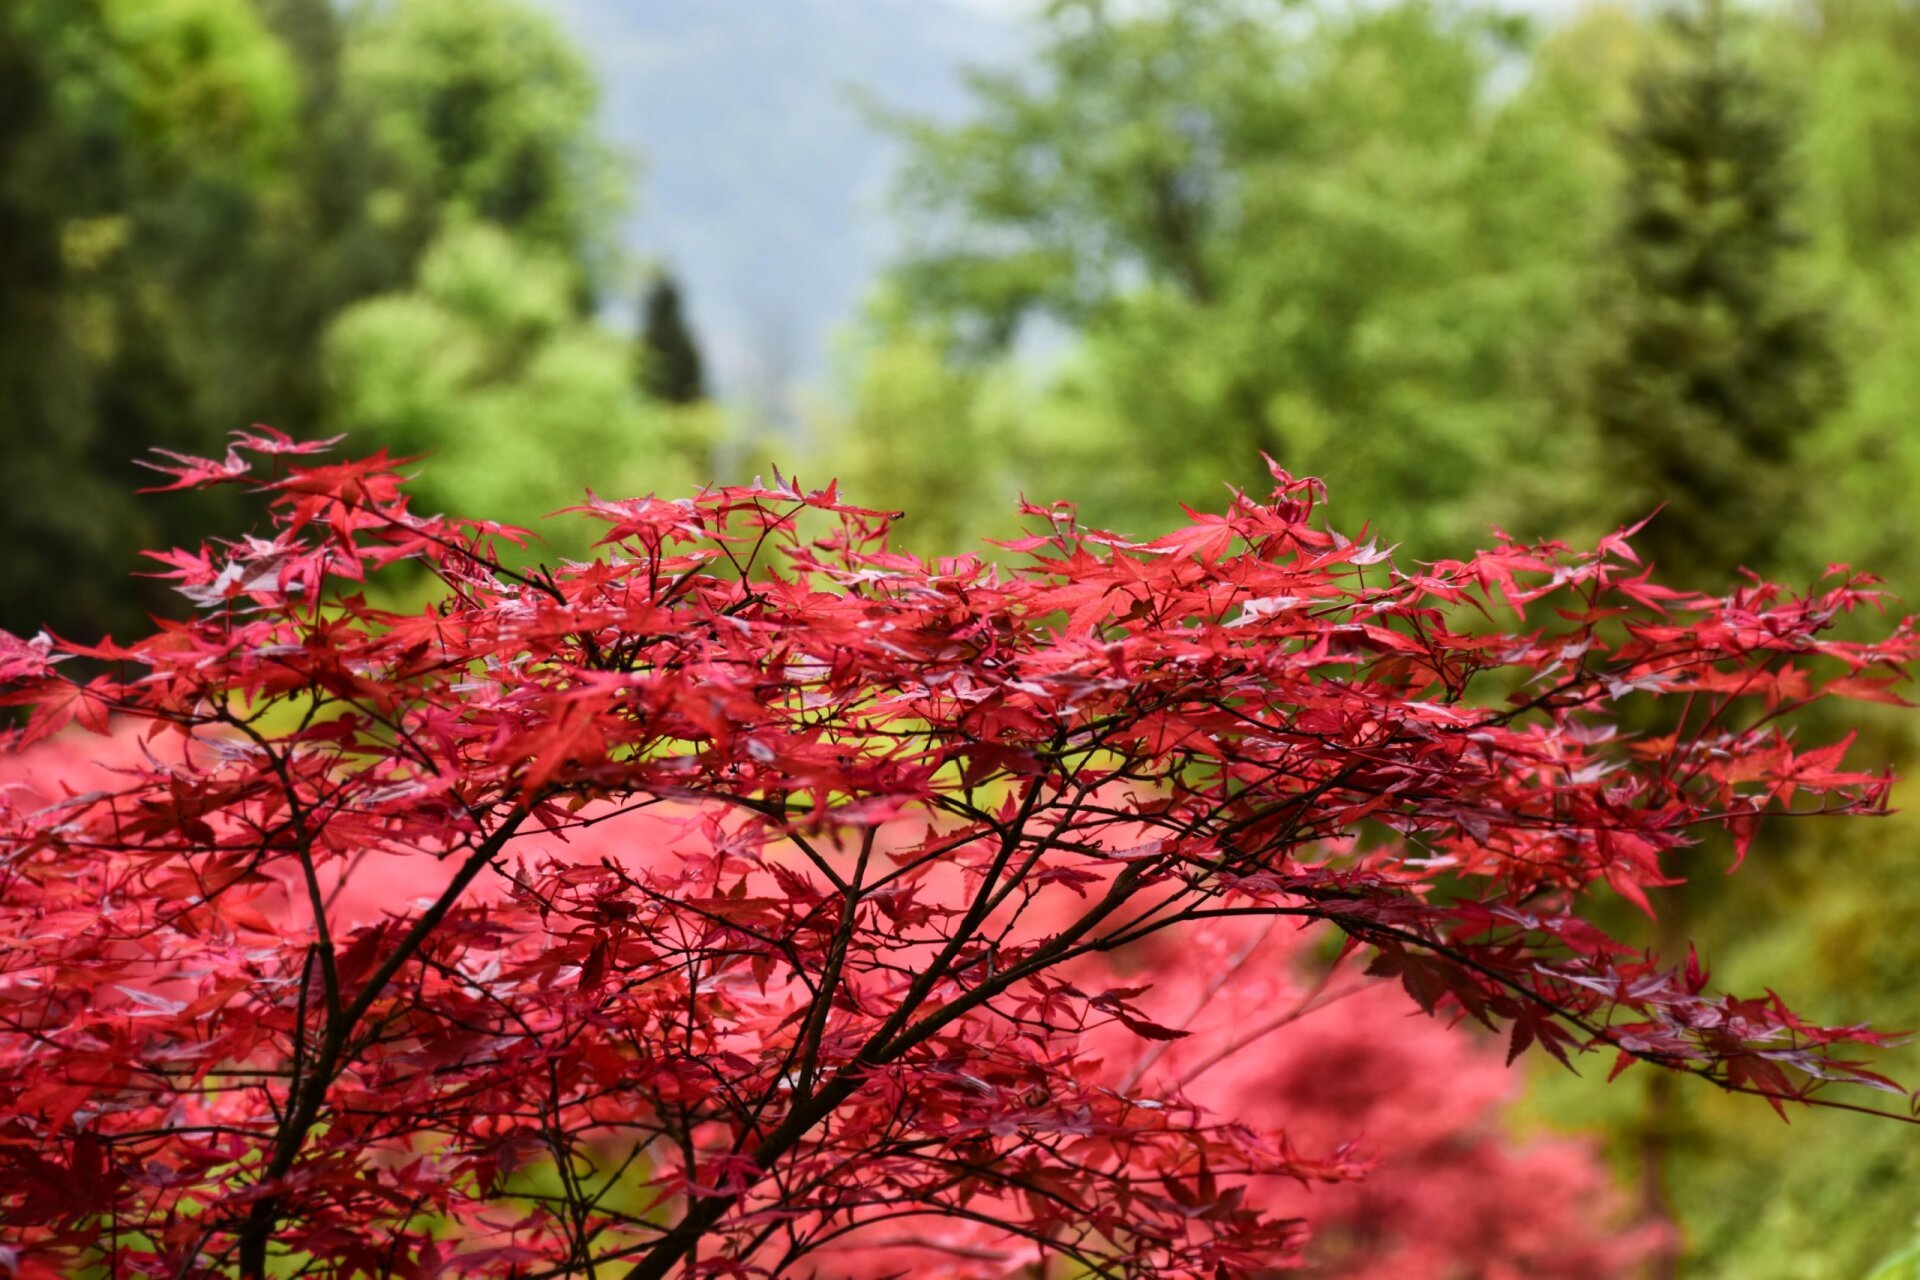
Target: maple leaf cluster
754	888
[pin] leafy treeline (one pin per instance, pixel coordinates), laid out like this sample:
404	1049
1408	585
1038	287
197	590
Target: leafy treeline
1456	266
388	219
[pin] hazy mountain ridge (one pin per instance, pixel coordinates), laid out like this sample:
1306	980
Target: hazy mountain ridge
761	183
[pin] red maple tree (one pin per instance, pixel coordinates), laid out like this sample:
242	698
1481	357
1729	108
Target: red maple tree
754	887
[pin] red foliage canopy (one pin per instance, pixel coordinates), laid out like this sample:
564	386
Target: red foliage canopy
858	832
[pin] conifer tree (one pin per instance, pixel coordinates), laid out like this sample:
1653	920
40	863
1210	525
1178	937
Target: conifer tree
1711	370
1708	373
670	364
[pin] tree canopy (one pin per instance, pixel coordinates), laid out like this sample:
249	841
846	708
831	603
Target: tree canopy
868	827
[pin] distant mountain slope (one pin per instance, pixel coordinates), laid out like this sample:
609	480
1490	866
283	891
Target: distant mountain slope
762	186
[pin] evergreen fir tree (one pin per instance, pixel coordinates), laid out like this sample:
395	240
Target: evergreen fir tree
1708	374
670	365
1711	371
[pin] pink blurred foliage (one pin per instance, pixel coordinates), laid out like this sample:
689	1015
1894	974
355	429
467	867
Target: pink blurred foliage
1278	1038
1281	1039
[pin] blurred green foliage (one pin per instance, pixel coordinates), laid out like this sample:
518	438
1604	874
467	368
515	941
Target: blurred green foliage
392	219
1375	242
1449	260
162	199
483	111
486	364
1310	231
1709	370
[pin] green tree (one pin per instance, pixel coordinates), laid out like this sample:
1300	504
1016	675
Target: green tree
1855	62
482	110
146	147
1313	231
193	193
486	366
1710	371
42	383
938	439
1707	381
670	366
